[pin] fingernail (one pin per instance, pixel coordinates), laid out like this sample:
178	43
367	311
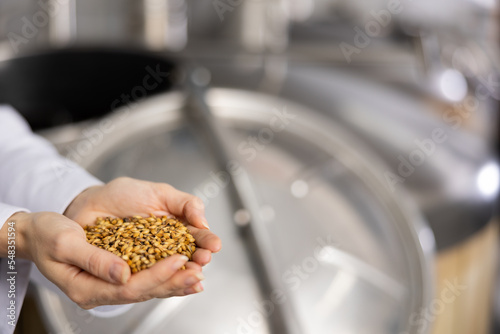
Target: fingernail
198	288
205	223
118	274
191	280
180	262
199	276
194	289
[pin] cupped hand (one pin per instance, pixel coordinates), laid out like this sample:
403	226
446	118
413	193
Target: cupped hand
91	276
125	197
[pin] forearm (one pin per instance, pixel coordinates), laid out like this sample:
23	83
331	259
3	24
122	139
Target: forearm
33	175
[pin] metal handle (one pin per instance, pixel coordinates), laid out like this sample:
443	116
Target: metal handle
284	319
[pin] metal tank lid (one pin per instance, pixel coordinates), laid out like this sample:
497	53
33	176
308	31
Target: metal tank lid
450	172
344	245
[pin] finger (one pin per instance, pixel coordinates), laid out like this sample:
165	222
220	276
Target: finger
193	266
178	283
185	205
197	288
82	287
158	274
202	256
206	239
93	260
89	291
171	290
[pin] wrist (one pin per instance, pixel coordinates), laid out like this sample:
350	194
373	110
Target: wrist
13	236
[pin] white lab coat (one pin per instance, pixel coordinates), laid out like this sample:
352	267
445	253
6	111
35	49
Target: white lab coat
33	177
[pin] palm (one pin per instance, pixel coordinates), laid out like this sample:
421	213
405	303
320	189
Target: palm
126	197
119	205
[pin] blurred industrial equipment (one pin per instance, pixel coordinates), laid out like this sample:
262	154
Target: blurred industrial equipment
395	130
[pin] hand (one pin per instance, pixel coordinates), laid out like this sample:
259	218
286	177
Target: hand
127	197
91	276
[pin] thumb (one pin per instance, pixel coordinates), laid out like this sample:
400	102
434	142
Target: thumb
98	262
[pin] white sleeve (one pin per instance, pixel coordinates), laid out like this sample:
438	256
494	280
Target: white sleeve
7	210
33	177
14	280
32	174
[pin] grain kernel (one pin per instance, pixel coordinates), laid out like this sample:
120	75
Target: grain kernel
141	242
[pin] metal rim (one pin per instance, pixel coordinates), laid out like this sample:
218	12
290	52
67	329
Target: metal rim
165	111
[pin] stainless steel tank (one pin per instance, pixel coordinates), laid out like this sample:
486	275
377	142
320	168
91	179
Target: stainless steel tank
352	256
27	26
454	180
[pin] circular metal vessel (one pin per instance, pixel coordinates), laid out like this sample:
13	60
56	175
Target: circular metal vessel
353	257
